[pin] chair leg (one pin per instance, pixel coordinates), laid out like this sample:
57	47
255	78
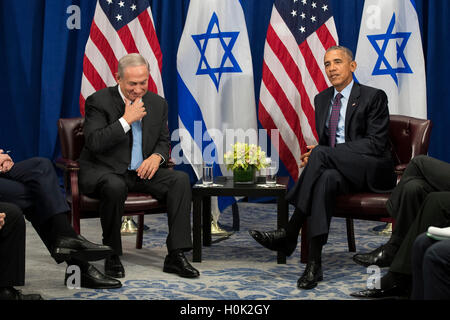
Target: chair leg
75	222
236	221
304	244
140	232
350	235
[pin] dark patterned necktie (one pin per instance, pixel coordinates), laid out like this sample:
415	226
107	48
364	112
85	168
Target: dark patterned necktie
334	119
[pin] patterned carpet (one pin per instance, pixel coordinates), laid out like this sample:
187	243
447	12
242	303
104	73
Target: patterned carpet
236	268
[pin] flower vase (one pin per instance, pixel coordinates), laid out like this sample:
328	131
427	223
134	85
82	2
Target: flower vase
244	176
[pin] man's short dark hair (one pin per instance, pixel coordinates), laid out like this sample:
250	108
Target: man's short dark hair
342	48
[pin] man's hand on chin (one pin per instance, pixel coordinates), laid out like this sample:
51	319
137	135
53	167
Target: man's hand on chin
149	167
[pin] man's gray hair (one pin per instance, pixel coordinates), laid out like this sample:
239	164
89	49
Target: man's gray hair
131	60
342	48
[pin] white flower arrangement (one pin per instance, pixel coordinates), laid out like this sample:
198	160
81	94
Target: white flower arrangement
244	156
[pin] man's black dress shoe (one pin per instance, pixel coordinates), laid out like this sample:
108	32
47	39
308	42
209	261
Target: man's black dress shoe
66	248
311	276
114	267
92	278
382	257
9	293
394	292
177	263
274	240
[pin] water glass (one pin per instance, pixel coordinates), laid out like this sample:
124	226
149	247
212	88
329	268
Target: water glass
207	174
271	175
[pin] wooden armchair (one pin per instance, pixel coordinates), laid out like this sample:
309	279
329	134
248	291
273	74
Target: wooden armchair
72	141
409	137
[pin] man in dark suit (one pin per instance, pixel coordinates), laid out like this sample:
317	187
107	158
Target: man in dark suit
33	186
421	199
352	122
127	149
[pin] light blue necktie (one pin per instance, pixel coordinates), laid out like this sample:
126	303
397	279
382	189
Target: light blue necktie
136	151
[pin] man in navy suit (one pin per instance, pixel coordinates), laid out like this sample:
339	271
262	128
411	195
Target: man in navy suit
353	154
32	185
127	149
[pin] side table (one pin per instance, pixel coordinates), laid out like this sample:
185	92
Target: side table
224	186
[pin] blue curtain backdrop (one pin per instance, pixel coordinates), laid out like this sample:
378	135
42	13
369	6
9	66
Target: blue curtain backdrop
41	63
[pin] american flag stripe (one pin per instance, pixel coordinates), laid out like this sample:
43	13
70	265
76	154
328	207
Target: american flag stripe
294	63
92	75
327	33
279	95
119	30
86	86
147	25
127	39
313	66
297	38
285	134
102	46
100	65
277	108
109	33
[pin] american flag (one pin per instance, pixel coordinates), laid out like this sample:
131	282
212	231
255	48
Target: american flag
119	27
299	33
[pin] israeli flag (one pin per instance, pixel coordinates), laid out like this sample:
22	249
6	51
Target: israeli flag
390	55
215	83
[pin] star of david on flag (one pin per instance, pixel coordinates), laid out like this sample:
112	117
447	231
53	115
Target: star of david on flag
381	50
227	41
389	55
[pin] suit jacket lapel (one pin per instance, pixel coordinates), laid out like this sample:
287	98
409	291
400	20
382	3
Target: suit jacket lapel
351	106
322	112
119	104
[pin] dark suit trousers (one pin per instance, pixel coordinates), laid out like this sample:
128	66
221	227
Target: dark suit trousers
33	185
431	276
167	185
329	172
422	176
435	211
12	247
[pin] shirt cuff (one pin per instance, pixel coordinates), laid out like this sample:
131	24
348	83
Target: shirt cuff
126	127
163	160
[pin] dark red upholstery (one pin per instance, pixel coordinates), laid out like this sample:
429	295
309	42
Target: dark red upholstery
409	137
72	141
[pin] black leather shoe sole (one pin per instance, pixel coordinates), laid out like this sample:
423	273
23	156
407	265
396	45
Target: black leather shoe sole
171	269
394	293
382	263
363	263
307	285
90	283
83	255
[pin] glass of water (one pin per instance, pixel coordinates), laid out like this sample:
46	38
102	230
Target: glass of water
271	175
207	174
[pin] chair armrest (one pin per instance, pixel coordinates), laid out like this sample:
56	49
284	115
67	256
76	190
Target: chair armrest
170	163
67	164
400	168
